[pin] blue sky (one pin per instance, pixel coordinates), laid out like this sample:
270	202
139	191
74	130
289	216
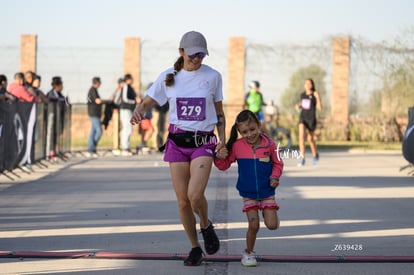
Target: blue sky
78	39
106	22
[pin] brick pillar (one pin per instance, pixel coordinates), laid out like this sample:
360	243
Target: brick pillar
28	52
132	61
236	74
340	86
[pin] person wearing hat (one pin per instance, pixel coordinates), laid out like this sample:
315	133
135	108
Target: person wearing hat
58	99
194	93
94	112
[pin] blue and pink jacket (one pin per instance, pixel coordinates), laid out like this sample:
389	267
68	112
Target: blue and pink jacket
256	167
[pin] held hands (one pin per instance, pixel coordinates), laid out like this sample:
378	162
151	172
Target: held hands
221	151
274	183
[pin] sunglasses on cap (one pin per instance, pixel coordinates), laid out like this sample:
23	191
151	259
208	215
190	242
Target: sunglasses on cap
199	55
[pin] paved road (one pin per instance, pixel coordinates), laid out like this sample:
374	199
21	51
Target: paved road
355	204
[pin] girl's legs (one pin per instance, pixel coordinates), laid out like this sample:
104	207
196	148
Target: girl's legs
190	181
271	218
254	225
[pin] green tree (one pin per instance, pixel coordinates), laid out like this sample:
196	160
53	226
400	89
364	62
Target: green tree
290	96
374	102
398	90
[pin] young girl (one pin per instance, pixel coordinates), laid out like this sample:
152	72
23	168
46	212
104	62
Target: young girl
259	171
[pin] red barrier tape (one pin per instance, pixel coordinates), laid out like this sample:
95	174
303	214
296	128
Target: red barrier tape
209	258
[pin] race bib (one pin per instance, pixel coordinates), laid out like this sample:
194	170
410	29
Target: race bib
306	103
193	109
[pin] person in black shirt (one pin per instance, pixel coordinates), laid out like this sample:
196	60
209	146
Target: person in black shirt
37	80
3	87
94	113
162	118
309	102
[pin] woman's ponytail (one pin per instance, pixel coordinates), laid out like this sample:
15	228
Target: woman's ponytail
178	65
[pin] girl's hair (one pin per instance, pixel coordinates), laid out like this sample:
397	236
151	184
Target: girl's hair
243	116
312	82
178	65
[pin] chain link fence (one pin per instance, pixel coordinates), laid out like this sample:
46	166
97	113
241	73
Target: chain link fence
380	81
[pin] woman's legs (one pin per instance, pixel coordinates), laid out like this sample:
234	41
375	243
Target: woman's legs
301	137
190	181
312	144
254	225
200	169
180	175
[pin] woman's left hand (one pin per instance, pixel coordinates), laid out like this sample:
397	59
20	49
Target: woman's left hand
222	153
220	145
136	118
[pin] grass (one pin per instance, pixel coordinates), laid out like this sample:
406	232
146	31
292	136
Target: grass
352	145
106	142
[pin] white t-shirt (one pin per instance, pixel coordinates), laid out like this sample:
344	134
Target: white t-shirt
191	98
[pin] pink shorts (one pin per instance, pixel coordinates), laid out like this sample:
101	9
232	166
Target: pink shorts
175	153
252	204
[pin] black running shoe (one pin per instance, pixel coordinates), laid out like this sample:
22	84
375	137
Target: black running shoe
195	257
211	241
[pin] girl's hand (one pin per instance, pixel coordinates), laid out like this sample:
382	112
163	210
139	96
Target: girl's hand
274	183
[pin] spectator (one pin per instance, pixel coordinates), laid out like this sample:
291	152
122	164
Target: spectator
94	113
254	102
116	99
146	129
17	89
162	118
116	96
28	82
3	86
56	93
37	80
127	106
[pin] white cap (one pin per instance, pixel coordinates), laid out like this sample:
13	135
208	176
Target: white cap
254	84
194	42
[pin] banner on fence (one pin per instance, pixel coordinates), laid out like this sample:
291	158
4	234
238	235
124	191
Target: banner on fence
24	132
